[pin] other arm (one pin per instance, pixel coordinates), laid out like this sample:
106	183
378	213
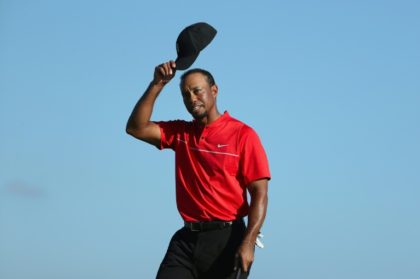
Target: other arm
259	199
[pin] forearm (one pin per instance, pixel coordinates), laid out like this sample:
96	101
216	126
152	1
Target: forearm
256	216
257	211
143	109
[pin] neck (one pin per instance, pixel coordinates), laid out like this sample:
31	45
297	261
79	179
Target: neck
210	118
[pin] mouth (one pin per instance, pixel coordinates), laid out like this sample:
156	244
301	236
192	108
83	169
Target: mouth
196	107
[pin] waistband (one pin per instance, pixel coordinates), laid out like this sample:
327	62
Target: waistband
209	225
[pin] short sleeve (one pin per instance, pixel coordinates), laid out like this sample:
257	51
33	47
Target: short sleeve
169	132
253	159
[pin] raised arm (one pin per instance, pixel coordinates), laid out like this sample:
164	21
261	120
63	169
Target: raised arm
139	124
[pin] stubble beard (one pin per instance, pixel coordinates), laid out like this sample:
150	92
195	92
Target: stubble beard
199	116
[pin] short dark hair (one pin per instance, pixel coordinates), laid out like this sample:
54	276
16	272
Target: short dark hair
207	74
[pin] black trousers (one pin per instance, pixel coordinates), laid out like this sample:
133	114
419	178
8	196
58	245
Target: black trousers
203	255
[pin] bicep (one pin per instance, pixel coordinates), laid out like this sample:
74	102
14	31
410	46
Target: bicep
258	187
150	133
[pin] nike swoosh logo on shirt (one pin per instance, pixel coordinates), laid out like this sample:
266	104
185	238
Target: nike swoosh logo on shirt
222	145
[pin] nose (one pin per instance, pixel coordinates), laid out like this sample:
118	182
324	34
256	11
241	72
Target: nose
190	97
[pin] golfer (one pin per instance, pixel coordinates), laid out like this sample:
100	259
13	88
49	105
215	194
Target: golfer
218	159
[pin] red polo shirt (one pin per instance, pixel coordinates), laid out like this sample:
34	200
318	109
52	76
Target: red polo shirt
213	166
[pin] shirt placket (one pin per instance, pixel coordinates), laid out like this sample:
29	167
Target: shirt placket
204	135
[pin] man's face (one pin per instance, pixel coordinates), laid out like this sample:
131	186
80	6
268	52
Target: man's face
199	97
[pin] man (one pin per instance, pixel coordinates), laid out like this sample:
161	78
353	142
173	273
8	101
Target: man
218	159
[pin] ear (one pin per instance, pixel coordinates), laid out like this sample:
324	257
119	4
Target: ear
214	90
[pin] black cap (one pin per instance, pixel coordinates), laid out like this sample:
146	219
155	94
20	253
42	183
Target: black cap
191	41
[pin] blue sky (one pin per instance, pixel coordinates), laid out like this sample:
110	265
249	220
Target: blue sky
332	88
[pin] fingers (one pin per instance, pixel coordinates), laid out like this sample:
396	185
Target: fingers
246	267
165	72
242	264
172	64
244	257
167	69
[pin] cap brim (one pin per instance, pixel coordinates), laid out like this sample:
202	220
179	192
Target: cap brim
184	62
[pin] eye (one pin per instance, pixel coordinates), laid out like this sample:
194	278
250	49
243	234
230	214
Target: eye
198	90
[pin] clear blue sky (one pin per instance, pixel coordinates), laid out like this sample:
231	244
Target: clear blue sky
332	87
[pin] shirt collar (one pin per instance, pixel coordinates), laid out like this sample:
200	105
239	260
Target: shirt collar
219	121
